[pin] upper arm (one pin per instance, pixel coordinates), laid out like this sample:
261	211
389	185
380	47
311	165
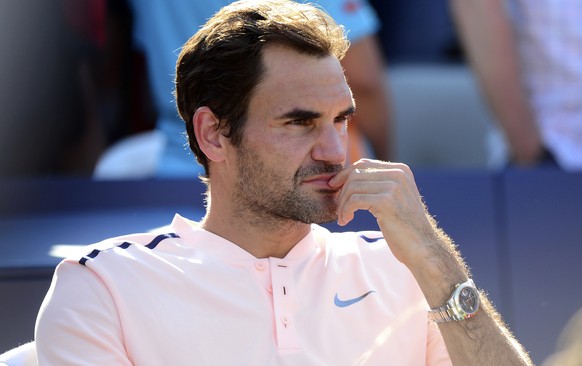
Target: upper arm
78	321
480	23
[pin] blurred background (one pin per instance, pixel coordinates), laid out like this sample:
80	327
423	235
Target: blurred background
80	146
74	82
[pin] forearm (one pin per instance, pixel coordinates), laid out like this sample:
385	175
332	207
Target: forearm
481	340
489	44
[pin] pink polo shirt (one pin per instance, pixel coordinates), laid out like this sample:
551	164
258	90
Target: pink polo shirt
190	297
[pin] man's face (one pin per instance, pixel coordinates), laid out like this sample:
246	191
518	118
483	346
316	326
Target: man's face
294	139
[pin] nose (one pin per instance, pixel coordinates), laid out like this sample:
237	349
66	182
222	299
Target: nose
331	144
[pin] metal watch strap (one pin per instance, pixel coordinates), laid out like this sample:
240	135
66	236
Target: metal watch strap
442	315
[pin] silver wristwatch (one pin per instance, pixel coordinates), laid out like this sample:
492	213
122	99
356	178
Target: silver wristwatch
463	304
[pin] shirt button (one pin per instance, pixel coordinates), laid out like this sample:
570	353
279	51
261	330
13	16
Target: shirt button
270	288
285	320
260	266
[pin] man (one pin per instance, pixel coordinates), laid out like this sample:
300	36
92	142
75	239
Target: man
527	56
266	105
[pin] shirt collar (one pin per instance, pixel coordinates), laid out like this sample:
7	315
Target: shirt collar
219	247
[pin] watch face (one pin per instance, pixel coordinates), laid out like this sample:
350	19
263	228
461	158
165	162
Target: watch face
468	300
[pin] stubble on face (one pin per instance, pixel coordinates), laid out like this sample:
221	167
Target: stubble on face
268	197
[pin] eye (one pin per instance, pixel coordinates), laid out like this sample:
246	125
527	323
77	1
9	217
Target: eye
342	119
300	122
341	123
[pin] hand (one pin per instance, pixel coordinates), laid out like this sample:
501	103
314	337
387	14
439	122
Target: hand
389	192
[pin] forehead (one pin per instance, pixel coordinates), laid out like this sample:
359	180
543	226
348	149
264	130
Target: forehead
293	80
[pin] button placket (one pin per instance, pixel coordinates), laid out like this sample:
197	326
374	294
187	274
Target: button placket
261	267
284	305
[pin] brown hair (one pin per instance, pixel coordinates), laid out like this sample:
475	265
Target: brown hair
220	66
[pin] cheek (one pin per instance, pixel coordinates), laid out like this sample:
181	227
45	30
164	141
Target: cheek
342	130
292	150
284	164
283	153
344	138
271	158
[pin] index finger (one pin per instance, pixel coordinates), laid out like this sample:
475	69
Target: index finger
340	178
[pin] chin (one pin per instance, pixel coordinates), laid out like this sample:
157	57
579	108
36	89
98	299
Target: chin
326	220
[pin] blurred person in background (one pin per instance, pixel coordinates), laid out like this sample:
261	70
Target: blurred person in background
161	26
528	58
69	85
569	352
47	91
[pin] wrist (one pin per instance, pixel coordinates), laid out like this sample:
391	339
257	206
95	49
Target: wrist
438	271
527	152
463	304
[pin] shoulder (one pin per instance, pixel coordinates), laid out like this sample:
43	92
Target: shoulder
122	245
364	244
366	238
145	253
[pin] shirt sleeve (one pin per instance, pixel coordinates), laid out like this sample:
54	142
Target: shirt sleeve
436	350
78	323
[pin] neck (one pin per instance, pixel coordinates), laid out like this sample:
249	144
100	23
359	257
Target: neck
261	235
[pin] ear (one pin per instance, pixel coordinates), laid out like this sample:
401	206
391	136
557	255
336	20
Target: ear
209	137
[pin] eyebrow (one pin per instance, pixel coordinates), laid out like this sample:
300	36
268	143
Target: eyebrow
351	110
298	113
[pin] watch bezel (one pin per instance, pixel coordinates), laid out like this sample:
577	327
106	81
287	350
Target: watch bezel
459	305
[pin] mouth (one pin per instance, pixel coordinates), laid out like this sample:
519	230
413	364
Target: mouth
317	175
321	180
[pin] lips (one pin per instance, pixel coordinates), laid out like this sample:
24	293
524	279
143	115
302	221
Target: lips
319	179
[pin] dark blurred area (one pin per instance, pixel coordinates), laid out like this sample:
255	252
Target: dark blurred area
69	85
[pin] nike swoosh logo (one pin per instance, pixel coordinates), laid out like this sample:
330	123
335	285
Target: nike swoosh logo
344	303
371	240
